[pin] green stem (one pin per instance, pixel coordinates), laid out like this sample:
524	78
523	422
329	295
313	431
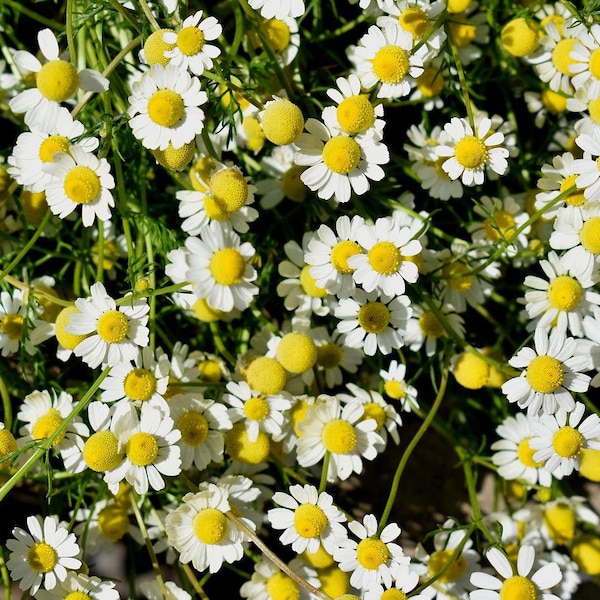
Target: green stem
32	14
463	82
6	405
69	29
324	471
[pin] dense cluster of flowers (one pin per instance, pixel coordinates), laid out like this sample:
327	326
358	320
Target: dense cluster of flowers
229	277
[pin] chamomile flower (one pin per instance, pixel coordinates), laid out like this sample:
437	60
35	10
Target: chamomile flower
328	253
278	9
396	388
308	518
115	334
375	558
383	58
16	318
406	579
341	431
79	585
42	556
559	438
201	532
36	147
190	48
339	164
587	167
468	30
511	585
587	107
80	179
470	152
56	80
385	263
334	355
514	456
550	373
165	107
283	38
152	591
372	322
202	423
564	299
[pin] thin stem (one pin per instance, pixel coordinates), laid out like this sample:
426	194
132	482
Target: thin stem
463	81
194	581
324	471
6	405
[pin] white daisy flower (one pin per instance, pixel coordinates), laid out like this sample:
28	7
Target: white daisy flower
257	411
165	107
183	369
115	333
342	432
375	558
511	585
545	105
339	164
36	147
514	456
190	48
80	179
79	585
587	109
334	356
278	9
550	373
564	299
405	581
202	423
383	58
145	380
148	441
309	518
220	269
559	438
283	38
328	253
372	322
153	591
587	167
396	388
470	152
385	265
43	413
201	532
560	521
42	555
56	80
468	31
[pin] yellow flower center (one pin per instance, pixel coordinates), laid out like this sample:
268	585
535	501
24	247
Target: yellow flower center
590	235
190	41
431	82
499	225
561	521
282	122
140	384
266	375
78	596
101	451
227	266
165	108
297	352
51	145
452	272
585	551
46	425
393	594
525	454
239	447
277	33
471	371
414	20
371	553
282	587
594	110
394	389
385	258
391	64
210	526
330	355
65	339
113	326
229	190
82	185
430	325
292	186
461	32
200	172
554	102
341	154
565	293
438	561
42	557
376	412
561	55
142	449
206	313
309	286
57	80
34	206
567	442
545	374
256	409
193	427
11	325
210	370
340	254
519	37
175	158
298	414
310	521
575	198
356	114
374	317
339	437
155	48
518	588
595	64
113	522
457	6
8	444
471	152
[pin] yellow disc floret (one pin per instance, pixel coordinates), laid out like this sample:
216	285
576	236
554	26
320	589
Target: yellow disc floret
101	451
501	225
281	587
140	384
414	20
42	557
340	254
142	449
394	389
545	374
113	326
585	551
520	37
292	185
339	436
371	553
431	82
589	235
356	114
155	48
229	189
206	313
266	375
8	444
561	521
57	80
385	258
190	40
525	454
277	33
166	108
239	446
78	595
430	325
65	339
561	55
374	317
51	145
457	6
330	355
391	64
518	588
175	158
82	185
282	122
590	464
227	266
46	425
210	526
554	102
310	521
438	561
256	409
575	198
471	371
35	206
341	154
12	326
194	428
454	278
471	152
309	285
565	293
376	412
567	442
297	352
113	522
